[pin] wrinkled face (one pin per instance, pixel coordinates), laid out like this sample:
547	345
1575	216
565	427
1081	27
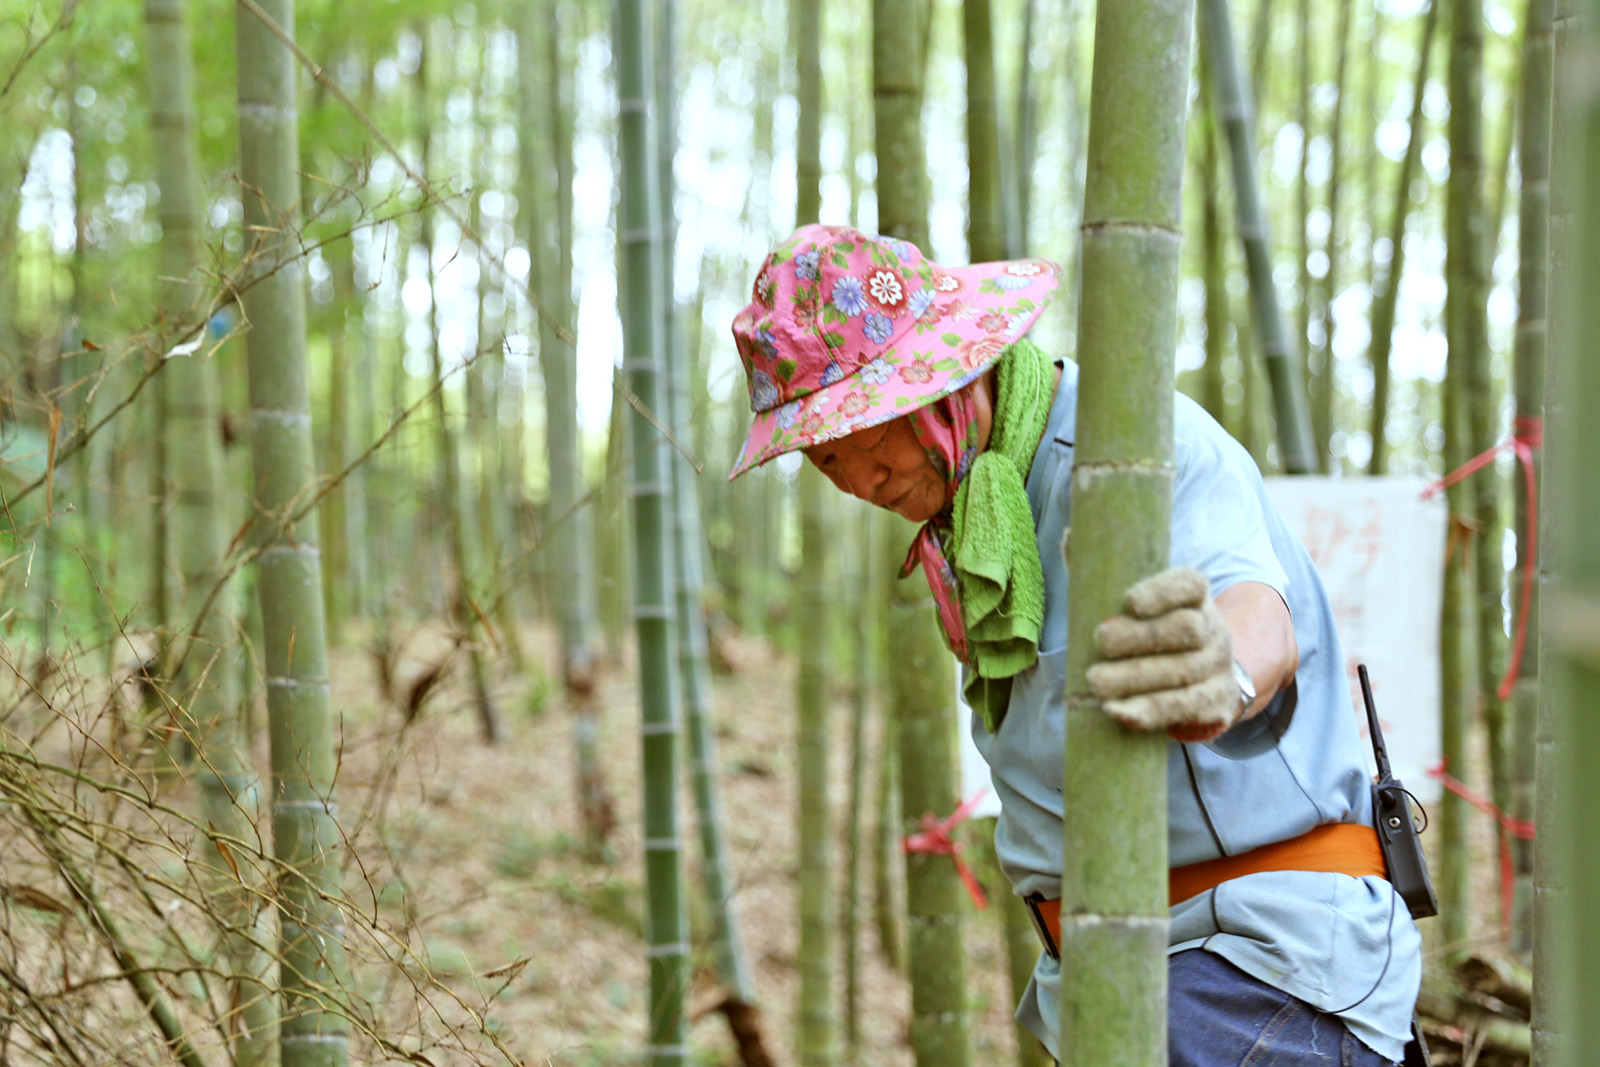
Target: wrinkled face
884	465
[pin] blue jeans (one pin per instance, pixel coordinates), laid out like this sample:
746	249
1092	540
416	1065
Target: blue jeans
1218	1016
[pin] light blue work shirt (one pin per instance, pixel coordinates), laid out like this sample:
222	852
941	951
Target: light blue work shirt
1342	944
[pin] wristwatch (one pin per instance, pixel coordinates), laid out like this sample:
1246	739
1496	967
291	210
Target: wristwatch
1247	688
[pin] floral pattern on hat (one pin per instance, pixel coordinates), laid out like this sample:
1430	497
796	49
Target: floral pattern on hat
846	331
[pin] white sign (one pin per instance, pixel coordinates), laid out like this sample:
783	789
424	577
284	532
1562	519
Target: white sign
1379	548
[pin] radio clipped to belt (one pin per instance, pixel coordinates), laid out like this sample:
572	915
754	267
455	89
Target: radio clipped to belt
1398	835
1401	843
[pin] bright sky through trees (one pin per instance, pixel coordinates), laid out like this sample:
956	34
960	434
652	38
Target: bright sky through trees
715	172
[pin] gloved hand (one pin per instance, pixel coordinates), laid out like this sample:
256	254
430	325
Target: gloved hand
1169	660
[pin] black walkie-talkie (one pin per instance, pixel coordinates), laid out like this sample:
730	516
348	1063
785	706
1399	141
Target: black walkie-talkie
1397	833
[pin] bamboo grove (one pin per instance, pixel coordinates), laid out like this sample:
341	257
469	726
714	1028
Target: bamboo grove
388	672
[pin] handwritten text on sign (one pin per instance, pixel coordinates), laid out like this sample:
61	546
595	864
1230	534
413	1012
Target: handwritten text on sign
1379	548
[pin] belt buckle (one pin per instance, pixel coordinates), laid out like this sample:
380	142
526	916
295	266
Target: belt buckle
1033	900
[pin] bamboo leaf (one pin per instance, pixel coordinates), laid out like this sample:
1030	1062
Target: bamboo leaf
226	853
28	896
509	970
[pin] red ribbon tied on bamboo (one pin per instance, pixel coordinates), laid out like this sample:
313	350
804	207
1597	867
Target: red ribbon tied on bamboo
1527	434
934	838
1510	826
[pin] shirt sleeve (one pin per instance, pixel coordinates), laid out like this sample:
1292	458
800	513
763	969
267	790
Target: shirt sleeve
1218	523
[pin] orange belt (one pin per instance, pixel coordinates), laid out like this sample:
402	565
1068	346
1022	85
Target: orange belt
1336	848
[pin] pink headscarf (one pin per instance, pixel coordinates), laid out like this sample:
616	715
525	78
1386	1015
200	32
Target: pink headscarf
948	430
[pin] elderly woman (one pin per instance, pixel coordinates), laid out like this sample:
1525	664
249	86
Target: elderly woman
914	387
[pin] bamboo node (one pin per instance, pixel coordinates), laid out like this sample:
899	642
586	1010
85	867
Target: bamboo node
663	844
281	415
675	948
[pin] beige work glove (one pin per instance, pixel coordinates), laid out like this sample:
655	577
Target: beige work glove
1168	663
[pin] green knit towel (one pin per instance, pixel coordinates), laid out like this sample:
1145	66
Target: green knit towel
992	545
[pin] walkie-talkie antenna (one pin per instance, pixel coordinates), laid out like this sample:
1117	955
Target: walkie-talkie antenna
1379	753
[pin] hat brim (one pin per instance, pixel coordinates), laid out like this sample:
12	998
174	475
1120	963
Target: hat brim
925	360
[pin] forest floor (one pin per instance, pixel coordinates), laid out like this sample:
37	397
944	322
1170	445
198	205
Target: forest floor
479	930
497	868
487	840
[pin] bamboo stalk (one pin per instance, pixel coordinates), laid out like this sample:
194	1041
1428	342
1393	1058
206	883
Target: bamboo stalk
1454	885
1566	965
808	84
1386	284
1260	48
1533	228
1213	255
314	1031
230	792
639	302
694	665
1113	882
920	694
986	227
1027	123
1302	209
859	578
1322	419
1296	452
814	1040
1471	240
332	515
887	892
458	588
1466	421
569	559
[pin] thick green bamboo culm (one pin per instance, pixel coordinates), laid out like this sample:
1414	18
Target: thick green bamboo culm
1296	453
1386	285
815	1037
1567	956
230	791
921	688
314	1031
639	297
986	210
1114	876
1528	374
1567	690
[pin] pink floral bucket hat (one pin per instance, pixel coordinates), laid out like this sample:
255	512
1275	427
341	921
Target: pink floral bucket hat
846	331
